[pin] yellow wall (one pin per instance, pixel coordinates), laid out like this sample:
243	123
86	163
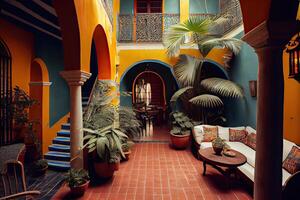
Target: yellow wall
291	104
90	14
21	46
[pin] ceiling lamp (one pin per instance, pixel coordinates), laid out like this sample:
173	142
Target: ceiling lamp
293	49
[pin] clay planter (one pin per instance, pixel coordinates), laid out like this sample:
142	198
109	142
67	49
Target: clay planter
39	172
79	190
105	170
180	141
127	155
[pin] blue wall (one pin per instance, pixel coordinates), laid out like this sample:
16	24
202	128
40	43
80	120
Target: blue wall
126	6
172	6
243	69
198	6
51	51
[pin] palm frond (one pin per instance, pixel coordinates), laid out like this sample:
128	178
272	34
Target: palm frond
185	69
179	92
177	34
222	87
207	101
232	44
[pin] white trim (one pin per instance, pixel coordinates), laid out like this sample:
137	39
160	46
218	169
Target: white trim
46	7
30	24
28	11
38	83
235	32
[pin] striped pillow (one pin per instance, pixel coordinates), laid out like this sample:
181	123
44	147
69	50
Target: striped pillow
292	161
251	141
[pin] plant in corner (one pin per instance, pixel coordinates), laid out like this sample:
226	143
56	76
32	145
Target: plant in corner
78	181
200	90
181	130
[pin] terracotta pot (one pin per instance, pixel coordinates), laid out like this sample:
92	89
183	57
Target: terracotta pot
79	190
180	141
218	150
127	155
105	170
40	172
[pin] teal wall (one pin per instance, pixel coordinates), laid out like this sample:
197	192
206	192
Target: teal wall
243	69
51	51
198	6
172	6
126	6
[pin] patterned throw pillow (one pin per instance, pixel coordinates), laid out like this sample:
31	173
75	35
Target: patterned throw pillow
210	133
236	135
292	161
251	141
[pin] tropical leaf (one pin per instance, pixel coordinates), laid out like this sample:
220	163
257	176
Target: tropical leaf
179	92
185	69
222	87
232	44
177	34
120	133
207	101
102	144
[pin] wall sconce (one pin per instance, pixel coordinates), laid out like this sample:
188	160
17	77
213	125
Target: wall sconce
293	49
253	88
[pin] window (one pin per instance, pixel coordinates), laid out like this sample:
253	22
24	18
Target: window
149	6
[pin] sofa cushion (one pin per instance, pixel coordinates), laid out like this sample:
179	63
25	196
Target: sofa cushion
236	135
209	133
197	134
249	129
292	161
251	141
287	147
244	149
247	170
205	145
285	176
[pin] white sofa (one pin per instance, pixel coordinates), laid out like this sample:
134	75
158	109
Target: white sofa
248	168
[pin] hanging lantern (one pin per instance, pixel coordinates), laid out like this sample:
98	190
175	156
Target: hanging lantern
293	48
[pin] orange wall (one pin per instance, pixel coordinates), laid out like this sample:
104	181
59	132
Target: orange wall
291	104
21	46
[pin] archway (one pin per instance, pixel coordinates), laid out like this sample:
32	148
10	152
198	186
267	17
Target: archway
39	91
6	135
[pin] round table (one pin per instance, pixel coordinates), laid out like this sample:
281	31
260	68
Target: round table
217	161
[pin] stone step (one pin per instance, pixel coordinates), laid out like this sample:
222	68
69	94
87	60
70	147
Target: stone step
55	155
59	148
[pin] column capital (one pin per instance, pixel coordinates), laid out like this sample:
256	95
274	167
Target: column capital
75	77
271	33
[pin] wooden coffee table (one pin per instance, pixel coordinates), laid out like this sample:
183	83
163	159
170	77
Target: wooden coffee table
218	161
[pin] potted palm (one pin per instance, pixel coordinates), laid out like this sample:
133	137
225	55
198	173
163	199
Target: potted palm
106	147
78	181
198	90
181	130
126	148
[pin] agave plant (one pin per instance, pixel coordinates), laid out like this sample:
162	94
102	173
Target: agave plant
106	142
206	91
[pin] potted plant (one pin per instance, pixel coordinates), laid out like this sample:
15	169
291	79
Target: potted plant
218	145
78	180
181	130
39	167
21	104
106	147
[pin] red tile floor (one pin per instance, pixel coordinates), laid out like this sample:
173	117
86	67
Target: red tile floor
155	171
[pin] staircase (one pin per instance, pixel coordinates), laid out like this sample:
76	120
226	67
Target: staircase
58	156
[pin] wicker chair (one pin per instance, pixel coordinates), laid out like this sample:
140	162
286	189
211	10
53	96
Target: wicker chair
13	180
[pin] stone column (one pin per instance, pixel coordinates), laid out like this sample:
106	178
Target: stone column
269	40
75	80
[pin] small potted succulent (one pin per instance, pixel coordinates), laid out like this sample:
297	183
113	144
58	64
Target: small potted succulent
39	167
78	180
218	145
181	130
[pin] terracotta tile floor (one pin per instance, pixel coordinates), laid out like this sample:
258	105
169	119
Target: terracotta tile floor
155	171
155	134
